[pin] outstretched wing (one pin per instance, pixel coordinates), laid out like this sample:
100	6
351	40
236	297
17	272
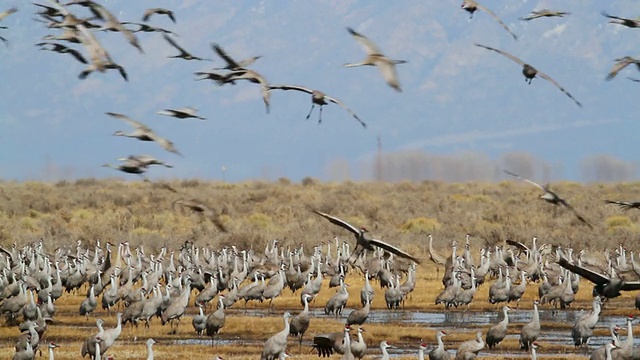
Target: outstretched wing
620	65
592	276
367	44
394	250
584	221
230	62
630	285
549	79
174	43
517	244
497	18
291	87
135	124
527	180
503	53
336	101
625	205
334	220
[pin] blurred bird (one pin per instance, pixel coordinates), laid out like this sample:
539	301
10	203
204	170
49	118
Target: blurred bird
375	58
544	13
471	6
551	197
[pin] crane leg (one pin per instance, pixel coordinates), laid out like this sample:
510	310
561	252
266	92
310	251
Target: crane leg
309	114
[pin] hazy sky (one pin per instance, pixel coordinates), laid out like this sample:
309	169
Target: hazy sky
457	97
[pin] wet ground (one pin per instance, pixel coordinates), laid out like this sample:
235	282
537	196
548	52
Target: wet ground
555	327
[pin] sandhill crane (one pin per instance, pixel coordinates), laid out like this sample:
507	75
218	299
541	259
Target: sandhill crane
530	72
625	205
436	257
318	98
471	6
231	63
620	64
6	13
603	285
177	308
359	316
150	343
448	295
109	336
469	349
277	344
300	322
148	28
375	57
337	302
601	352
112	22
383	348
583	327
144	160
216	320
59	48
181	113
544	13
24	354
439	353
497	332
551	197
359	347
199	320
530	331
89	345
631	23
363	241
143	133
198	207
184	54
52	345
366	294
160	11
465	296
129	167
327	344
346	343
516	292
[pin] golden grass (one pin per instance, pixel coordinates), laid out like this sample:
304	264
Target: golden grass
255	212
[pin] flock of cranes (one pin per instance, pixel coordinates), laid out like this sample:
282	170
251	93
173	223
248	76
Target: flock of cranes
160	285
77	29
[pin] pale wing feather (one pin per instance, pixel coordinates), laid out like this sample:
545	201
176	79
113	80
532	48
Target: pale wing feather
497	18
548	78
367	44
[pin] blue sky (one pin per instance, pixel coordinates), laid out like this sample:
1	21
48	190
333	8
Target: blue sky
457	98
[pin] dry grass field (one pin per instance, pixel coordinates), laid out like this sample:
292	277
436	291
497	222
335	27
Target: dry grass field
256	212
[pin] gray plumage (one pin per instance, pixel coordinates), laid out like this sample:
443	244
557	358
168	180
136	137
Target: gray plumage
497	332
276	345
216	320
531	330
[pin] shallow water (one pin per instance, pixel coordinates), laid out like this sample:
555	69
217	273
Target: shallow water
555	328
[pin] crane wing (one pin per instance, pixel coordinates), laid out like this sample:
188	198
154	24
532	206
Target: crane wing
590	275
503	53
334	220
549	79
338	102
394	250
526	180
497	18
367	44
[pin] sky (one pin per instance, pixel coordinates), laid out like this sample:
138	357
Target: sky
457	98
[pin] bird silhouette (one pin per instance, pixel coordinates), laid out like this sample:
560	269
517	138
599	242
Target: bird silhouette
551	197
530	72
